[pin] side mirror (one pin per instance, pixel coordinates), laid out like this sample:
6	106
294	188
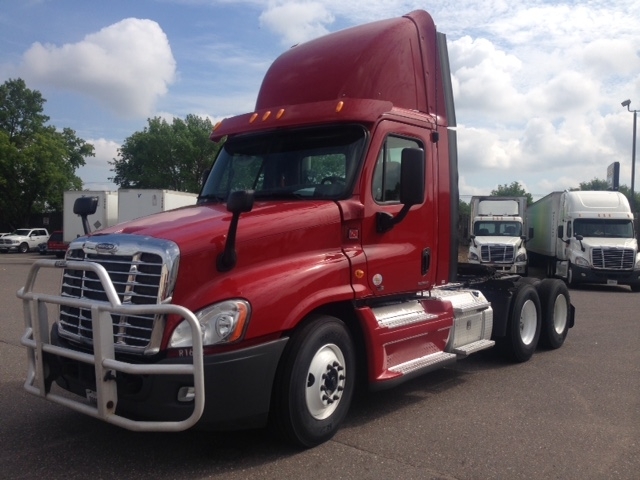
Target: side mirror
560	231
204	177
412	176
530	232
240	201
85	206
412	186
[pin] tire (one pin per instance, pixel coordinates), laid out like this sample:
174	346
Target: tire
529	280
635	287
555	302
23	248
315	382
524	322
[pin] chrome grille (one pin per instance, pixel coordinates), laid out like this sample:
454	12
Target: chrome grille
613	258
140	277
497	253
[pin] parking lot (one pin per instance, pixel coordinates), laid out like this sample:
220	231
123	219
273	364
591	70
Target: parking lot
572	413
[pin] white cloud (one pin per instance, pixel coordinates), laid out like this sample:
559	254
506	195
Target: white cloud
483	76
97	171
297	22
126	66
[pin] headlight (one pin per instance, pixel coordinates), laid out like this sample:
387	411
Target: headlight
583	262
521	258
222	322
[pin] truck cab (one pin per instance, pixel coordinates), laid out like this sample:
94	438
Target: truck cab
321	251
597	240
498	233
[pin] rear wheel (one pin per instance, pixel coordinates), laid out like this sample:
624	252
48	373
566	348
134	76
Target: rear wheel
24	247
315	382
555	302
523	329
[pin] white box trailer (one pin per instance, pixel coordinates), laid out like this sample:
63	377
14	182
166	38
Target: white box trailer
106	214
136	203
585	237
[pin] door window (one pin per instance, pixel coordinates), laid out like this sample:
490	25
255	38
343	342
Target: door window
386	176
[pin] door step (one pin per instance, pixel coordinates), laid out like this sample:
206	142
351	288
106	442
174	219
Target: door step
426	363
473	347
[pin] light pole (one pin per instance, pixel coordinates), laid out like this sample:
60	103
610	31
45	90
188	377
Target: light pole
626	103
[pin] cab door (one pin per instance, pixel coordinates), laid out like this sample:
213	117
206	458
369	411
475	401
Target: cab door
400	259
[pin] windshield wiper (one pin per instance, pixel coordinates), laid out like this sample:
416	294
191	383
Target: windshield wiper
212	197
277	194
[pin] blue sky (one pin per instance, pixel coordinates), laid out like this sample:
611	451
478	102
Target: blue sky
537	84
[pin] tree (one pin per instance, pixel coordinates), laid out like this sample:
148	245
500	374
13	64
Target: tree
512	190
464	208
37	162
595	184
169	156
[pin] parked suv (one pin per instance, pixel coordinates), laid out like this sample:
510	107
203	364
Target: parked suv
24	240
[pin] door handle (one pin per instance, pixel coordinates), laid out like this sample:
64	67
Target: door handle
426	260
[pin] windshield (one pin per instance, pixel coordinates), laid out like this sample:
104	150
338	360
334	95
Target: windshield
491	228
302	163
23	232
593	227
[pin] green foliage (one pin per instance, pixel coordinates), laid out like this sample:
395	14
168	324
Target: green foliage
169	156
464	208
37	162
595	184
512	190
20	112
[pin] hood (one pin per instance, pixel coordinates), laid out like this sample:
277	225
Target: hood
498	240
597	242
200	227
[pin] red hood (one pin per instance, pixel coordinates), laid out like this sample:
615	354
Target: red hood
201	227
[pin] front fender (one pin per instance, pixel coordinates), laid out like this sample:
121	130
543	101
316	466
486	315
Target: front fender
281	291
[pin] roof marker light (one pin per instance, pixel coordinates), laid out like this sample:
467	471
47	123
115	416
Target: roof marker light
266	115
280	114
253	118
339	106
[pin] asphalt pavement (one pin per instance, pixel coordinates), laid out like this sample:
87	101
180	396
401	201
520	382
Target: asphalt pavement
572	413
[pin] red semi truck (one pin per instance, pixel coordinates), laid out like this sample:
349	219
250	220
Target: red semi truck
322	251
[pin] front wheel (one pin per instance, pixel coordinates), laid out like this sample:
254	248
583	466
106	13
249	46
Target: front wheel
24	247
523	329
315	382
555	301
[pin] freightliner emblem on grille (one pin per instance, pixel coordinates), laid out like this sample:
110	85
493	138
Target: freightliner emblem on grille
106	248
